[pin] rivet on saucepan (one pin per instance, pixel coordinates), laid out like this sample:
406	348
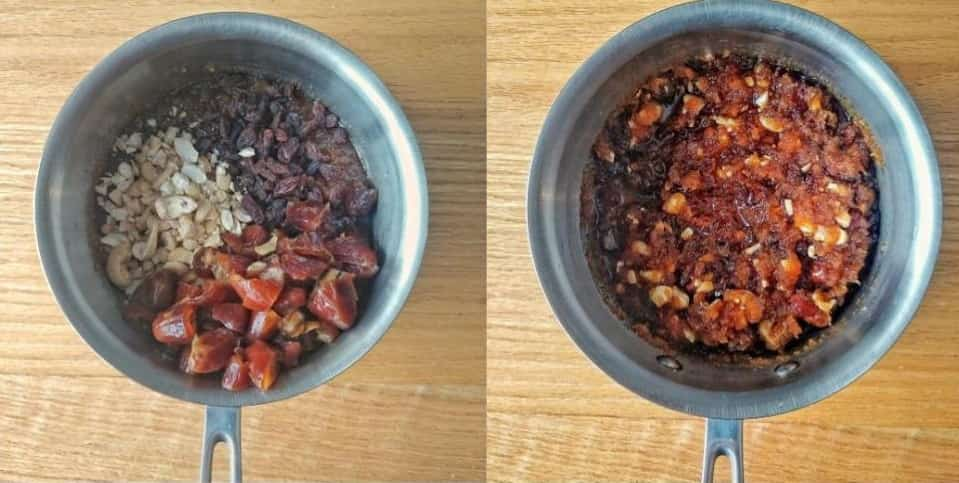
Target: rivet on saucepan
786	368
669	362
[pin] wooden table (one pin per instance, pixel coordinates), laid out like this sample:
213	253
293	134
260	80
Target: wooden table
412	409
551	414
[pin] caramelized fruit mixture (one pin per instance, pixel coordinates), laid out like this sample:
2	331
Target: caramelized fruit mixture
735	196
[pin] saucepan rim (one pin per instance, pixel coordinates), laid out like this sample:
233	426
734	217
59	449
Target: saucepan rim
568	105
259	28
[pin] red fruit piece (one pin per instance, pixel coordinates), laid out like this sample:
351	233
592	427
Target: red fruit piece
262	364
290	353
254	235
263	324
236	377
307	244
210	352
211	292
232	316
334	299
302	268
804	308
256	293
186	290
353	254
234	244
225	265
176	325
290	299
306	215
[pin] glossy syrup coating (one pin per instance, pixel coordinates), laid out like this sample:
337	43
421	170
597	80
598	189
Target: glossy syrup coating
736	197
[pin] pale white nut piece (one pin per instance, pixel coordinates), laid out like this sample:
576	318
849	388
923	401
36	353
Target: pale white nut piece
170	207
176	267
247	152
185	150
180	254
266	248
113	239
194	173
117	265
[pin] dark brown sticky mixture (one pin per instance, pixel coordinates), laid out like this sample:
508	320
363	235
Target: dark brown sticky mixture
736	197
292	280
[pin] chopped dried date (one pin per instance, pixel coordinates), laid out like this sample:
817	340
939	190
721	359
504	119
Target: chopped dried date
175	326
262	364
334	299
263	324
302	268
156	292
290	300
254	235
281	135
210	351
236	376
257	293
354	255
291	351
233	316
306	215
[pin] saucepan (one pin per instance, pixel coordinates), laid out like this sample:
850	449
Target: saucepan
173	55
910	206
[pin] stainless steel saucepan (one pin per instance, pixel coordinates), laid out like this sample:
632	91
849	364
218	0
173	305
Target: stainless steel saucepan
131	78
910	205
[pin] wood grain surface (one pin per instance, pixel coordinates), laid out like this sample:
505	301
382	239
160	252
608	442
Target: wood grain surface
552	415
413	409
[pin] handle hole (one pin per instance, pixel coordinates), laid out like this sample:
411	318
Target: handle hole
722	471
221	460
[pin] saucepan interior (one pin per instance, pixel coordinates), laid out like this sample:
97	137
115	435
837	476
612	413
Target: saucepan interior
171	56
909	205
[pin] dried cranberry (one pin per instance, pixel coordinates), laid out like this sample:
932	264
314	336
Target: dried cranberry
331	120
247	138
252	208
361	201
340	136
287	186
289	149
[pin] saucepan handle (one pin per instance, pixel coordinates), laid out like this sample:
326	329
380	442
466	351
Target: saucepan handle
724	437
222	424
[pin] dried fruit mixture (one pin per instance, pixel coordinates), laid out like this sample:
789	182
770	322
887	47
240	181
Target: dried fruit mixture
735	196
237	221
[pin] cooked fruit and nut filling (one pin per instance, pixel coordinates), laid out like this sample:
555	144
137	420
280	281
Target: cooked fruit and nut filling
237	222
736	197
